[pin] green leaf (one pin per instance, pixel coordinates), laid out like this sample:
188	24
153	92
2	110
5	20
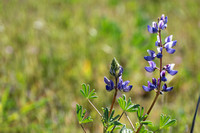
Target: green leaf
87	119
110	128
117	123
166	122
81	115
140	113
170	123
110	122
106	114
132	108
115	118
127	106
146	122
86	92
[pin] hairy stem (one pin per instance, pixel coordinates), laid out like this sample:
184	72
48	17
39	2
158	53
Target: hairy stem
121	115
130	122
158	92
114	98
94	107
83	128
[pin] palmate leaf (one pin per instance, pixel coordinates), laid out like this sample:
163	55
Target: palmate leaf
86	92
109	122
140	114
166	122
127	106
81	115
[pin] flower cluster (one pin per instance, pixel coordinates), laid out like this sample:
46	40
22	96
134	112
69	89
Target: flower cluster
116	70
111	122
168	45
162	24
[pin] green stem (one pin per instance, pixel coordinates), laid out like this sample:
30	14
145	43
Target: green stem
94	107
130	122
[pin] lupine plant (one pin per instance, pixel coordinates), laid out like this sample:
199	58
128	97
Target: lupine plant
110	121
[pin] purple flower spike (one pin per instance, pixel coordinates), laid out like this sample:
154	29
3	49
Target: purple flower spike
109	84
166	89
162	74
151	57
152	66
123	86
154	28
169	69
169	44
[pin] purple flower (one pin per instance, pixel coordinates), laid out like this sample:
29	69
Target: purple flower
152	66
169	44
124	85
159	55
169	69
157	43
151	57
151	86
163	22
165	19
109	84
120	71
166	89
162	74
154	28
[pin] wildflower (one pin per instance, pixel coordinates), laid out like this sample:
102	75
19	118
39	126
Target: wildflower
152	66
109	84
151	57
122	86
169	44
162	74
151	86
157	43
163	22
166	89
159	55
169	69
154	28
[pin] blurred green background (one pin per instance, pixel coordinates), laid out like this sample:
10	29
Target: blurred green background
48	48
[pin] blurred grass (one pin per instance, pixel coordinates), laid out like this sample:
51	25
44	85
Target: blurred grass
49	48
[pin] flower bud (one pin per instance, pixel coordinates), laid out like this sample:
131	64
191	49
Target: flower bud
115	69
